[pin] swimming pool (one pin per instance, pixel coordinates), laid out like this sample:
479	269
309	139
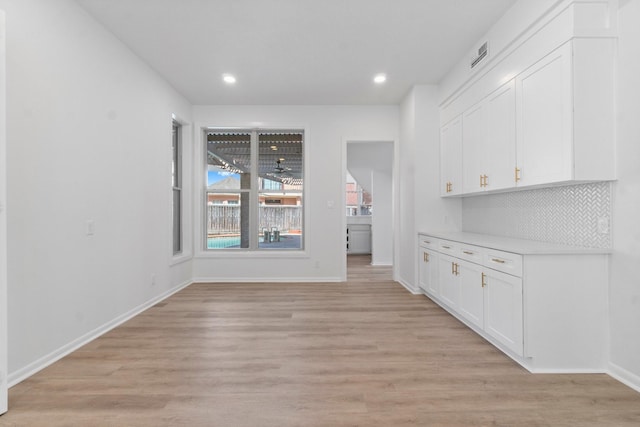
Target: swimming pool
222	242
233	242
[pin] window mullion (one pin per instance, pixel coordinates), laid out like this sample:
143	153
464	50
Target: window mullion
254	208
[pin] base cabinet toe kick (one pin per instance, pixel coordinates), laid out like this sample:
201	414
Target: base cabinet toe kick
544	305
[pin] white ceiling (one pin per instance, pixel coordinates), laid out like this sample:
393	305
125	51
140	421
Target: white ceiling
307	52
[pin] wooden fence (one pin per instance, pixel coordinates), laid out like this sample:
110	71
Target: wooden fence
225	219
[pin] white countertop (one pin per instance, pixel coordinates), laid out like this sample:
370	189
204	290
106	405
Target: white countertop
517	246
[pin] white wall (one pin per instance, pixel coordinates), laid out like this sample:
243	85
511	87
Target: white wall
382	221
3	221
404	256
89	138
522	16
422	208
327	130
625	285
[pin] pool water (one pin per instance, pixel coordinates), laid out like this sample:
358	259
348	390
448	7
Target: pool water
223	242
233	242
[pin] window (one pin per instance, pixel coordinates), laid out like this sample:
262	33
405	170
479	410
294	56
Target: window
176	183
358	200
254	193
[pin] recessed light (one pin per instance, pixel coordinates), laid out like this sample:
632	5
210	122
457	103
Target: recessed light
380	78
228	78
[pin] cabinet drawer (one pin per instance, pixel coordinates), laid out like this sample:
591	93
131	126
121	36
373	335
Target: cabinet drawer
506	262
428	241
448	247
471	253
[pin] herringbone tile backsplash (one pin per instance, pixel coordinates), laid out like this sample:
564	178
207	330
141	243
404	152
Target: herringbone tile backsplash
567	214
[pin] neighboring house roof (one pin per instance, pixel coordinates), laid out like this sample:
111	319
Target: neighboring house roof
228	183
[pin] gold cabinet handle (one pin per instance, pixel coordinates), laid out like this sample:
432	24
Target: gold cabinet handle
500	261
427	242
483	282
517	175
486	180
453	268
426	257
446	247
467	252
481	180
457	272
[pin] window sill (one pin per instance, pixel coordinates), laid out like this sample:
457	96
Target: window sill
180	258
263	254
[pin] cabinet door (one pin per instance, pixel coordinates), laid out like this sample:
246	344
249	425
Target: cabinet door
500	148
474	147
428	280
503	309
359	239
451	158
449	284
544	120
471	303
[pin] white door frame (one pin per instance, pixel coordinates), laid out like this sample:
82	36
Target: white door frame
3	219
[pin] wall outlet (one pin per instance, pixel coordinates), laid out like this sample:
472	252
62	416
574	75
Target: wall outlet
603	225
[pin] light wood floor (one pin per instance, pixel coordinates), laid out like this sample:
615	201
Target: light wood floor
361	353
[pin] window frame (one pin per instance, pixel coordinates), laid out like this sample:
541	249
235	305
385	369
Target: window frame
254	191
177	179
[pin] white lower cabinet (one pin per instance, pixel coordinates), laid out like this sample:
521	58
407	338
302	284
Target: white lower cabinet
545	307
491	301
428	262
472	297
503	309
358	238
449	283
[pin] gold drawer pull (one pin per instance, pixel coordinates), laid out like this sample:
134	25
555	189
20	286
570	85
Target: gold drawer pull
427	242
446	247
468	253
501	261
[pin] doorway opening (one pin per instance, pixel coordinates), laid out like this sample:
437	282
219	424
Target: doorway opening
368	201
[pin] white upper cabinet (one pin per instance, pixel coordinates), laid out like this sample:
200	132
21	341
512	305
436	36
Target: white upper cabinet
474	146
545	120
489	142
540	114
451	158
500	155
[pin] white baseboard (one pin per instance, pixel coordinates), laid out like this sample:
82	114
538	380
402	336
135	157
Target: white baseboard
566	370
38	365
628	378
266	279
413	290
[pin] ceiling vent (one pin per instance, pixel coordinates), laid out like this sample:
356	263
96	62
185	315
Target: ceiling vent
483	51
